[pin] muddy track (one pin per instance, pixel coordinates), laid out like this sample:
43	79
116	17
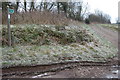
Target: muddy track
107	33
32	70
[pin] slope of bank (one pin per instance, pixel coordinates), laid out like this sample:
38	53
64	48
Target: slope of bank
44	44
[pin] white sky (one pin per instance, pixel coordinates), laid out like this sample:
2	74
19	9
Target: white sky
107	6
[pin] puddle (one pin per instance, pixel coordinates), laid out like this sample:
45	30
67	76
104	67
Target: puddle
115	66
41	75
113	74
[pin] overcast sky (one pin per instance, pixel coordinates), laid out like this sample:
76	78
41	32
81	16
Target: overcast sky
107	6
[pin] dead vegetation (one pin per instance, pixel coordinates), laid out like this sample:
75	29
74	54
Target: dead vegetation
35	17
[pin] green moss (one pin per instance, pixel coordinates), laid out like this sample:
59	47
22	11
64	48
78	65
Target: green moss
59	28
6	63
74	45
93	49
55	55
84	49
46	42
80	53
35	47
22	55
12	50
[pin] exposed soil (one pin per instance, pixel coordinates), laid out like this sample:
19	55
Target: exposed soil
84	72
74	69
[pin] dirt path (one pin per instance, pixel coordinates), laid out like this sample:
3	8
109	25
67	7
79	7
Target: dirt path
67	70
85	72
20	71
108	34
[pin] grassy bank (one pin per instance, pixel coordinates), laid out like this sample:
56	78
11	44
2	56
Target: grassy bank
44	44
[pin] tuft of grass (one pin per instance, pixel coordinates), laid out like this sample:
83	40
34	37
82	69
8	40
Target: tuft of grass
84	49
93	49
22	55
74	45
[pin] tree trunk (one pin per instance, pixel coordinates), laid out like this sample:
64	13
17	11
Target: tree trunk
25	5
58	7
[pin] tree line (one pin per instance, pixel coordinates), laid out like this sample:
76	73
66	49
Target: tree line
73	10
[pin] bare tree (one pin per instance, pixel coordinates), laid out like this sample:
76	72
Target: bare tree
32	5
58	7
4	11
25	5
100	17
52	4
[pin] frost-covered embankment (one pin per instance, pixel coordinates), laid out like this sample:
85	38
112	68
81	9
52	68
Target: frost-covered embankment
44	44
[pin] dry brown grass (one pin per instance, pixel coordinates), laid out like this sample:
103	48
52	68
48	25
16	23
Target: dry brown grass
39	18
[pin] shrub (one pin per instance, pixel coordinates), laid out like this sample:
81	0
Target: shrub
59	28
87	21
46	36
